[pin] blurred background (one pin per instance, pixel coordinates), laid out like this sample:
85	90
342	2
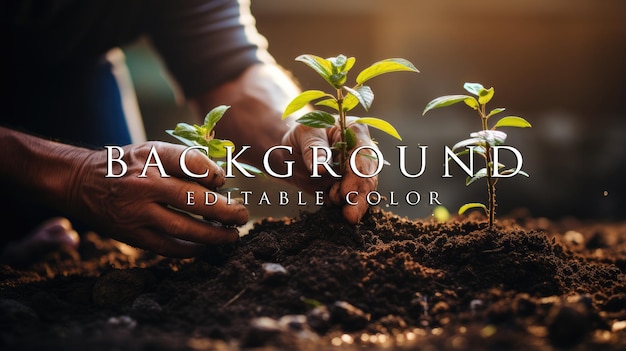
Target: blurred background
561	64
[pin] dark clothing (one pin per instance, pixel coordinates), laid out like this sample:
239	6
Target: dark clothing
57	79
203	42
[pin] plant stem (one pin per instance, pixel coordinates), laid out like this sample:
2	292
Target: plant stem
343	149
491	188
492	203
491	185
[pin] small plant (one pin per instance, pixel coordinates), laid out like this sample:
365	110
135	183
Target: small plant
483	141
335	70
204	135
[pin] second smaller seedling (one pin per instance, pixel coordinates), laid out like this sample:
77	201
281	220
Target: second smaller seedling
483	141
204	135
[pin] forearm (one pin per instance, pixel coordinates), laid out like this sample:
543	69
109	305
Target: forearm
257	99
37	168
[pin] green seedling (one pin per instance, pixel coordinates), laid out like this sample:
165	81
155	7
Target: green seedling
482	142
204	135
335	70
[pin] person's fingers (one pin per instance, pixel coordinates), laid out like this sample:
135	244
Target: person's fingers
182	162
354	211
209	173
334	194
182	226
192	197
163	244
305	138
353	214
362	187
351	193
152	158
51	235
134	208
58	231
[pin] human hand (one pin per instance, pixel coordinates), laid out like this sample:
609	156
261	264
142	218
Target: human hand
302	137
141	211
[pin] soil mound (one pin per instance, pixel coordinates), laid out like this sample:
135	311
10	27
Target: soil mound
314	282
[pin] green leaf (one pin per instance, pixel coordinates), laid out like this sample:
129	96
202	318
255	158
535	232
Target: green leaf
511	170
183	140
373	157
217	148
480	150
495	111
473	88
349	63
337	63
186	131
491	137
385	66
338	145
481	173
251	169
471	102
364	94
350	139
468	142
320	65
485	95
302	100
214	116
512	121
341	64
500	165
310	303
338	79
190	135
330	102
444	101
317	119
471	205
379	124
349	102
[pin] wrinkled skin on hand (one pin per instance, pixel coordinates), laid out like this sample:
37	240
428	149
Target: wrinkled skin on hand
302	138
140	210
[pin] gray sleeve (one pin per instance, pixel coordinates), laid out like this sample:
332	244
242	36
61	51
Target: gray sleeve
205	43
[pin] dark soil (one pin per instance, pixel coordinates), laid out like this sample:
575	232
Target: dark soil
316	283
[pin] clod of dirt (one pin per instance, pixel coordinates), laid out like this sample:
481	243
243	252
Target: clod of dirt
350	317
569	325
